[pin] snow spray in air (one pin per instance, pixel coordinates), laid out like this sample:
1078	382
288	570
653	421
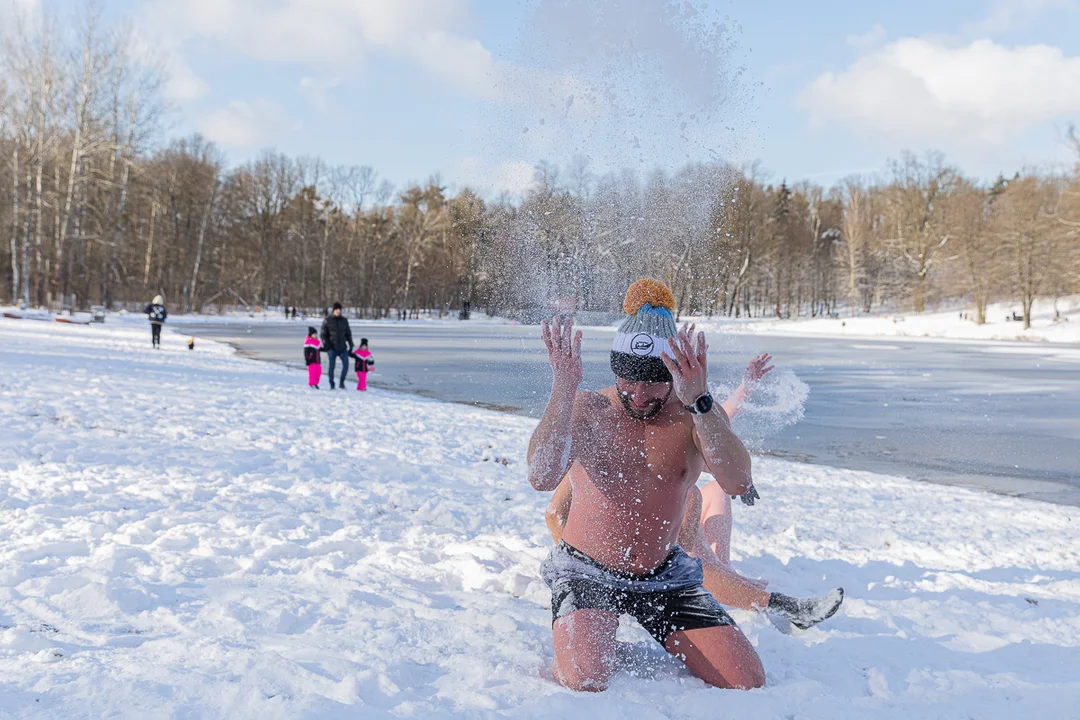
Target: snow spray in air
630	113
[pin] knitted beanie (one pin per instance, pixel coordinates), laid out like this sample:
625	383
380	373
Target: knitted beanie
643	336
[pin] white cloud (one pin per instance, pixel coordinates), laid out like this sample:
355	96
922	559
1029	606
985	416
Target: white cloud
183	84
242	124
336	34
335	38
981	95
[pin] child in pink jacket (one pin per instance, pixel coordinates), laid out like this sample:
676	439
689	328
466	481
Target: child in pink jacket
311	358
365	363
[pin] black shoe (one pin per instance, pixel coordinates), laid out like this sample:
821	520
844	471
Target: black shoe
331	384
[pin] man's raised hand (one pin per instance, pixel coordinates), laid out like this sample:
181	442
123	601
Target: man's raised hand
564	352
686	360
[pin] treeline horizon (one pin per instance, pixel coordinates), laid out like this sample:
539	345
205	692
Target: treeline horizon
99	210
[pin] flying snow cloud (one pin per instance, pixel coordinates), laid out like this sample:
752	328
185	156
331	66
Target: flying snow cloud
515	177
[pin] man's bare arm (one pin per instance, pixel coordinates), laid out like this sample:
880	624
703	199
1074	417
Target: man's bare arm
551	445
725	455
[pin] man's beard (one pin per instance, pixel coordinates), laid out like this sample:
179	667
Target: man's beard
657	406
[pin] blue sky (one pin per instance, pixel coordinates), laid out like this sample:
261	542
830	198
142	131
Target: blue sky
417	87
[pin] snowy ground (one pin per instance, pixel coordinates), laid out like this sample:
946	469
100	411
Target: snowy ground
946	324
194	534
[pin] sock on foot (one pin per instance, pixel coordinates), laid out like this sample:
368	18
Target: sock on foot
805	613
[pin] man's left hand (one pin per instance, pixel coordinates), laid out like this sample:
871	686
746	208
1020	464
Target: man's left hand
686	360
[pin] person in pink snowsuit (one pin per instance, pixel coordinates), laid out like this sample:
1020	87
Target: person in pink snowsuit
312	358
365	363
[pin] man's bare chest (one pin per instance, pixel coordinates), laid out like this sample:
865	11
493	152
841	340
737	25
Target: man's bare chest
640	456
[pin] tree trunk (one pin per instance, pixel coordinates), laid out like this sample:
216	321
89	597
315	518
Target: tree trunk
26	247
15	220
69	195
39	283
198	250
322	258
149	245
118	231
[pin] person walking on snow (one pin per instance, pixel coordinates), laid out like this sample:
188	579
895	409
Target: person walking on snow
365	363
157	313
311	358
338	342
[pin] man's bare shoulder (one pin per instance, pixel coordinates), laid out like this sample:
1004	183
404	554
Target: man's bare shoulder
590	401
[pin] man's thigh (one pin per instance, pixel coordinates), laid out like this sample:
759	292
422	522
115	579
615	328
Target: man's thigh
721	656
585	648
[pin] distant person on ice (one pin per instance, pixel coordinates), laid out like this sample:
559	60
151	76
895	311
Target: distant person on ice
312	359
365	363
157	313
633	452
706	535
337	341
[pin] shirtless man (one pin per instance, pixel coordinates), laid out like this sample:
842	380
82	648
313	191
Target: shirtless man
633	451
706	535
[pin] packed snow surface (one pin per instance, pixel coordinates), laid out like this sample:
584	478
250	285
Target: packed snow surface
193	534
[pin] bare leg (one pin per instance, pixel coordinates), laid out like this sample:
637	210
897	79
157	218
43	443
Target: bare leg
721	656
585	649
716	524
732	589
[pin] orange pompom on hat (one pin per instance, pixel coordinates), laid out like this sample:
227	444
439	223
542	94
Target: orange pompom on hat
648	292
643	336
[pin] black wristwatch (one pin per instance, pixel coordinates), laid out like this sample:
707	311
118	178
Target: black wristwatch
701	406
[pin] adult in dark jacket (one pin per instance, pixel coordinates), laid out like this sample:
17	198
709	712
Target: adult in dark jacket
157	313
337	339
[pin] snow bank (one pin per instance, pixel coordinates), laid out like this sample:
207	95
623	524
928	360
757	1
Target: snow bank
196	534
942	325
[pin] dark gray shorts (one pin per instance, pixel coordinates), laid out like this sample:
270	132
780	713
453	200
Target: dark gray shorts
668	599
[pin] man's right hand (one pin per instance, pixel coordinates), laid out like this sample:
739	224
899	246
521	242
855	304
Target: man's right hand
564	353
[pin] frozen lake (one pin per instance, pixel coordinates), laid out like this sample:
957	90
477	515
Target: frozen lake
999	416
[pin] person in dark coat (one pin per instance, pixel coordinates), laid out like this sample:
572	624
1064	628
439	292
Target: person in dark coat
157	313
338	341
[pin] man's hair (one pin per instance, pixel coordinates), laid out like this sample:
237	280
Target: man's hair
337	306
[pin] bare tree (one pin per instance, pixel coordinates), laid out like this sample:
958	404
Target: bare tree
917	207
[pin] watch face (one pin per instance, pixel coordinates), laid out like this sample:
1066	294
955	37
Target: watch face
704	403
